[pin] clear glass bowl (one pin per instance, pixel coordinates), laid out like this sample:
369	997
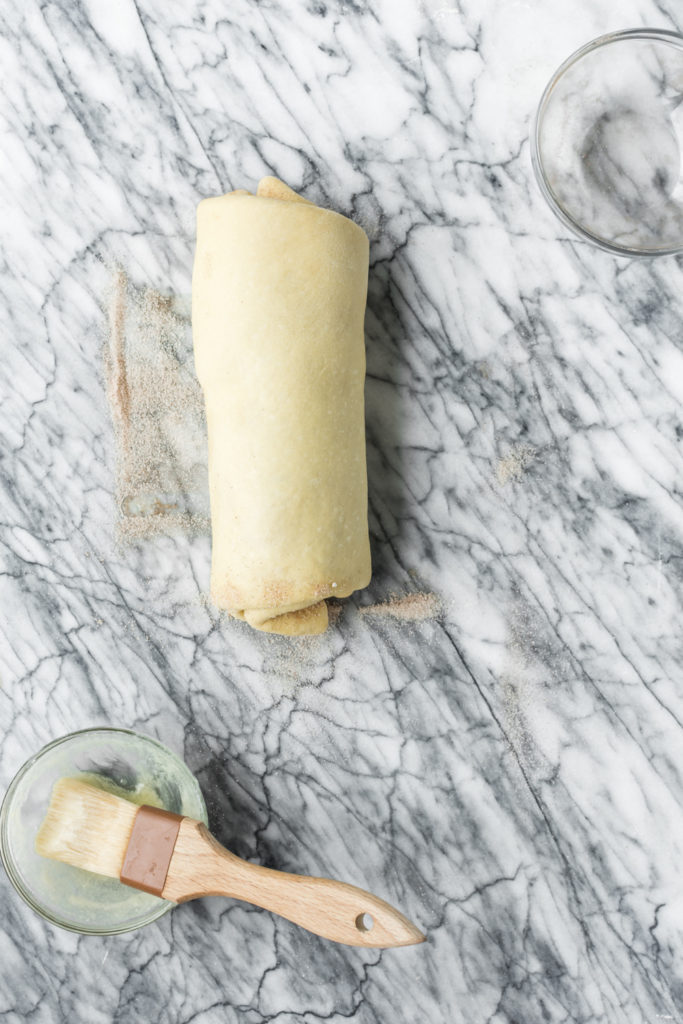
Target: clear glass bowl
607	142
123	762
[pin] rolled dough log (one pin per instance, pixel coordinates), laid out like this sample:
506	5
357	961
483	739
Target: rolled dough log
278	298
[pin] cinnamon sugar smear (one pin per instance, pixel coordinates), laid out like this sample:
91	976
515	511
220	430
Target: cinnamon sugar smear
157	410
411	608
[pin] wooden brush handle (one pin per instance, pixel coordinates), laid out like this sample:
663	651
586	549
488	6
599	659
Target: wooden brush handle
200	866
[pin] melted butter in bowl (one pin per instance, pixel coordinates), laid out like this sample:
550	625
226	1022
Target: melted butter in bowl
121	762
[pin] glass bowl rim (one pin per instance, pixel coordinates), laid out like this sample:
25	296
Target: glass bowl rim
8	863
661	35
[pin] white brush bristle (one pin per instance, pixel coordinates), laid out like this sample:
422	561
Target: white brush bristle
86	827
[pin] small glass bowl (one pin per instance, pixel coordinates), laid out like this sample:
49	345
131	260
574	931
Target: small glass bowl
123	762
607	142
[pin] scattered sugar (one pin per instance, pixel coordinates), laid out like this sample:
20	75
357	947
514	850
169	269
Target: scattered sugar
411	608
334	610
512	465
522	716
531	663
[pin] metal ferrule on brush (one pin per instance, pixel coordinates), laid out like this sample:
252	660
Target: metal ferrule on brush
150	849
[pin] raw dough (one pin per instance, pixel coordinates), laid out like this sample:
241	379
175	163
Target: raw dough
278	298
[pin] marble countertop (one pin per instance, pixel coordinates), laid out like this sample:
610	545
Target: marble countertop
510	772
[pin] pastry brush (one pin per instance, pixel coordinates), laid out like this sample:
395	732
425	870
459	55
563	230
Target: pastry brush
178	859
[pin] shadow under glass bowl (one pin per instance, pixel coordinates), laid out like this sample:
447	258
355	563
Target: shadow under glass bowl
607	142
123	762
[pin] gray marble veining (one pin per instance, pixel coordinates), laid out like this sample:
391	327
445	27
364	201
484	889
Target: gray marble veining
510	775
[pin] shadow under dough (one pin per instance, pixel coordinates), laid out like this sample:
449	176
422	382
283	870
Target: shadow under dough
385	423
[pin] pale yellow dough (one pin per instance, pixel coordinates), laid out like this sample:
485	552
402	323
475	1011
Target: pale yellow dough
278	299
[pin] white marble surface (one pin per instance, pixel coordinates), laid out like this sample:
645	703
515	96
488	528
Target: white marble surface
510	776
